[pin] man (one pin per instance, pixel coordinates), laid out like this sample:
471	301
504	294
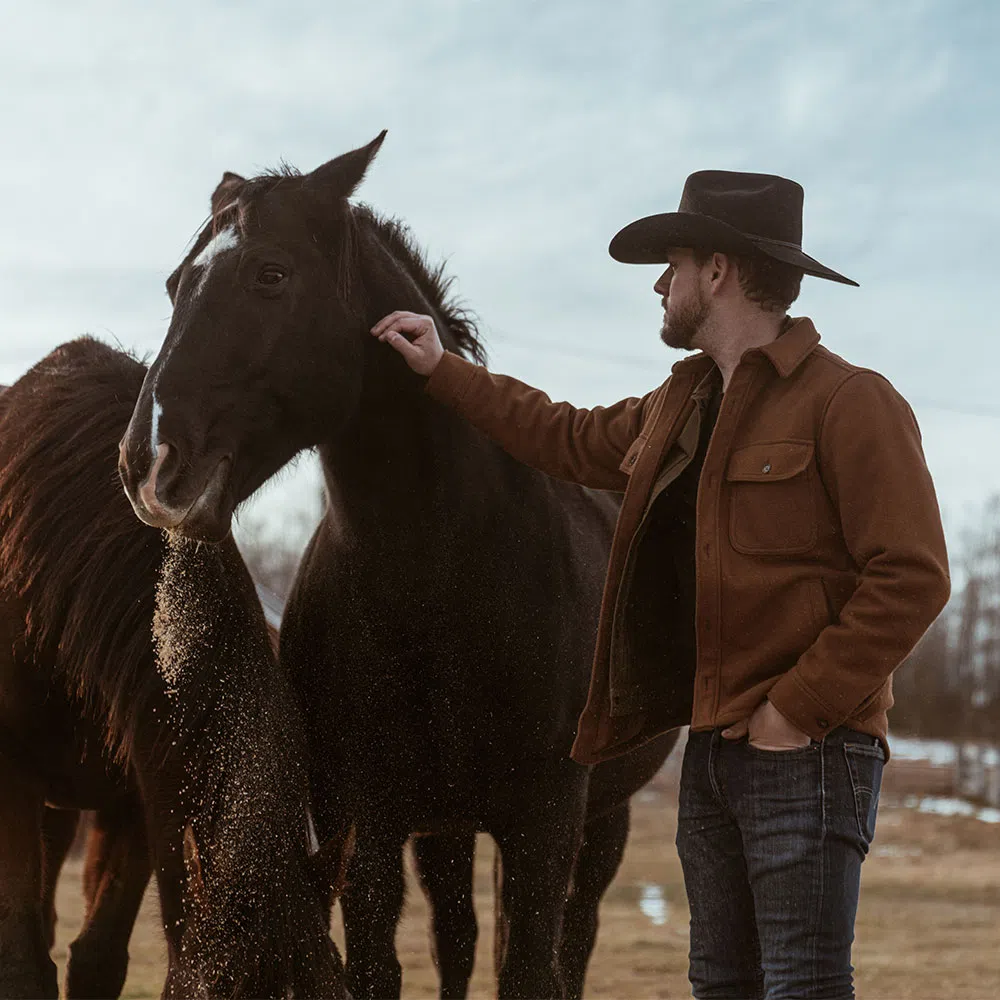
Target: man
778	553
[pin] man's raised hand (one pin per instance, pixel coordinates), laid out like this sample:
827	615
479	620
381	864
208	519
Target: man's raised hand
414	336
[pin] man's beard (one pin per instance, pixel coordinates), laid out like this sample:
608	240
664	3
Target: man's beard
680	329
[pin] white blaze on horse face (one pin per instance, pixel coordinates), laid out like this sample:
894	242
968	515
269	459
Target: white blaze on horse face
154	433
226	239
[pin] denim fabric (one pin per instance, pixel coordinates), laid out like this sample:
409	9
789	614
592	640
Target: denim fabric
771	843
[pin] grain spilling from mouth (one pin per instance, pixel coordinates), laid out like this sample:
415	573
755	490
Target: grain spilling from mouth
182	631
254	921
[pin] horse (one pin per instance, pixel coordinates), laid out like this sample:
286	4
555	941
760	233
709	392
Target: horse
138	679
440	630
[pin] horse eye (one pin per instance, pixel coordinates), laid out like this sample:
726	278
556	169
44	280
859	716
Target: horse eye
270	275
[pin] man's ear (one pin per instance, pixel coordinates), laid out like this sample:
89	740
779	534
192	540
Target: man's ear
719	262
720	267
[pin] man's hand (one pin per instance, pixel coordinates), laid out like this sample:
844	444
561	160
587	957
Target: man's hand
768	730
414	336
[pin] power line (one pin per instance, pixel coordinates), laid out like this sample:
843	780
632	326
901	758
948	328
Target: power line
588	354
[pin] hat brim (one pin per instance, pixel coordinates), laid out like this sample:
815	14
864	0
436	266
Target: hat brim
650	240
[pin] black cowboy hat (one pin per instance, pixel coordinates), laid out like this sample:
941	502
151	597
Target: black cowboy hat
729	212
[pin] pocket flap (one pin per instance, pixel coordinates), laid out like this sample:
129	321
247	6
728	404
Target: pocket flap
762	463
632	455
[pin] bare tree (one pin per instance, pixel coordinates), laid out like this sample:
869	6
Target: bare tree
950	685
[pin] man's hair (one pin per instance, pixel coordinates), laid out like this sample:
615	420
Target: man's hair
772	284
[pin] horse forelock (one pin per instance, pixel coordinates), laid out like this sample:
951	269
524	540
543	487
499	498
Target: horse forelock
433	281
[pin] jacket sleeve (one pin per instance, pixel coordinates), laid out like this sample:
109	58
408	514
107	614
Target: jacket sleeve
580	445
872	465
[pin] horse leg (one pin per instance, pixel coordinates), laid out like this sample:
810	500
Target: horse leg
597	863
115	876
58	830
536	856
445	866
26	970
371	906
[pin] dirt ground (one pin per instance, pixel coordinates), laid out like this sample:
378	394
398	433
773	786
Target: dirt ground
928	927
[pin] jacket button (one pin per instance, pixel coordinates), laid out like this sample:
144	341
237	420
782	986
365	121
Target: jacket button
767	468
822	723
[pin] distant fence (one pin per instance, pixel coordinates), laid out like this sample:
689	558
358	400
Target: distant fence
968	770
978	773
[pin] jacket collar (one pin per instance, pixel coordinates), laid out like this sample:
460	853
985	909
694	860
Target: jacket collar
792	347
786	353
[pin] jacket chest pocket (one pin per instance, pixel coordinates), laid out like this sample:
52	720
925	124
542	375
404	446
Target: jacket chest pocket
772	506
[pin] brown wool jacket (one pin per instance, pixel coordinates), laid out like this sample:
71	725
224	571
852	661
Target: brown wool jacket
820	557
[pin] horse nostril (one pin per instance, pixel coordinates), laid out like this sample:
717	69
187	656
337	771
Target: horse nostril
147	491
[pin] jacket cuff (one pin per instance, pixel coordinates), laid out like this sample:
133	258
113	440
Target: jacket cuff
802	708
451	379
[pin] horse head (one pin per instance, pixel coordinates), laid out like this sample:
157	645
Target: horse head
264	352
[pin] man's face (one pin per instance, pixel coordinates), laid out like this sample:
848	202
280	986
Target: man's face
685	308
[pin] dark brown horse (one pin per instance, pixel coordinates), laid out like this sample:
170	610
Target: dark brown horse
160	705
442	625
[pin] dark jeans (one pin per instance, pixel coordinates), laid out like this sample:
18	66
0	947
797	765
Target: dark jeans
771	843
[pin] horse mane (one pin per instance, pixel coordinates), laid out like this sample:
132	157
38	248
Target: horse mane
86	569
432	281
163	642
70	547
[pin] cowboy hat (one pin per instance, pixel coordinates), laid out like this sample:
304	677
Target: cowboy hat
730	212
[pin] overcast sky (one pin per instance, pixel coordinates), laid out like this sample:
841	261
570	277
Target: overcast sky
522	135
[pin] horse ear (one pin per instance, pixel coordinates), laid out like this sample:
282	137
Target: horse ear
227	191
342	175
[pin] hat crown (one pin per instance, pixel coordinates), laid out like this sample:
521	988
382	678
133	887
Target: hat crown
762	205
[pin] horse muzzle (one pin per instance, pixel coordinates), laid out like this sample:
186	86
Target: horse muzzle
162	499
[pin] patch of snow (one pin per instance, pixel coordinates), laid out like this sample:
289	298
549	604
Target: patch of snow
654	904
941	753
952	807
896	851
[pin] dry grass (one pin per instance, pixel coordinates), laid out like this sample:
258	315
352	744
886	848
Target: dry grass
929	925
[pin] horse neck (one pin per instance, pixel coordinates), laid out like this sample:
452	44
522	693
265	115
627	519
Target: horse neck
402	453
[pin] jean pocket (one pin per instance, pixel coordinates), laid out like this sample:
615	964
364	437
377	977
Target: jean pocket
792	752
864	765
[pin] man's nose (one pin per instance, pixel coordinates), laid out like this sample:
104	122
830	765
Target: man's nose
662	284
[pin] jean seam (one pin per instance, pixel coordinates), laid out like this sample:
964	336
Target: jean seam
713	755
823	876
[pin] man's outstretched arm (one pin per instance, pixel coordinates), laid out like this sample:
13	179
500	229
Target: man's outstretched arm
584	446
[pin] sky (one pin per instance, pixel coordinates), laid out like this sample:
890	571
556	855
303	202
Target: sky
522	136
